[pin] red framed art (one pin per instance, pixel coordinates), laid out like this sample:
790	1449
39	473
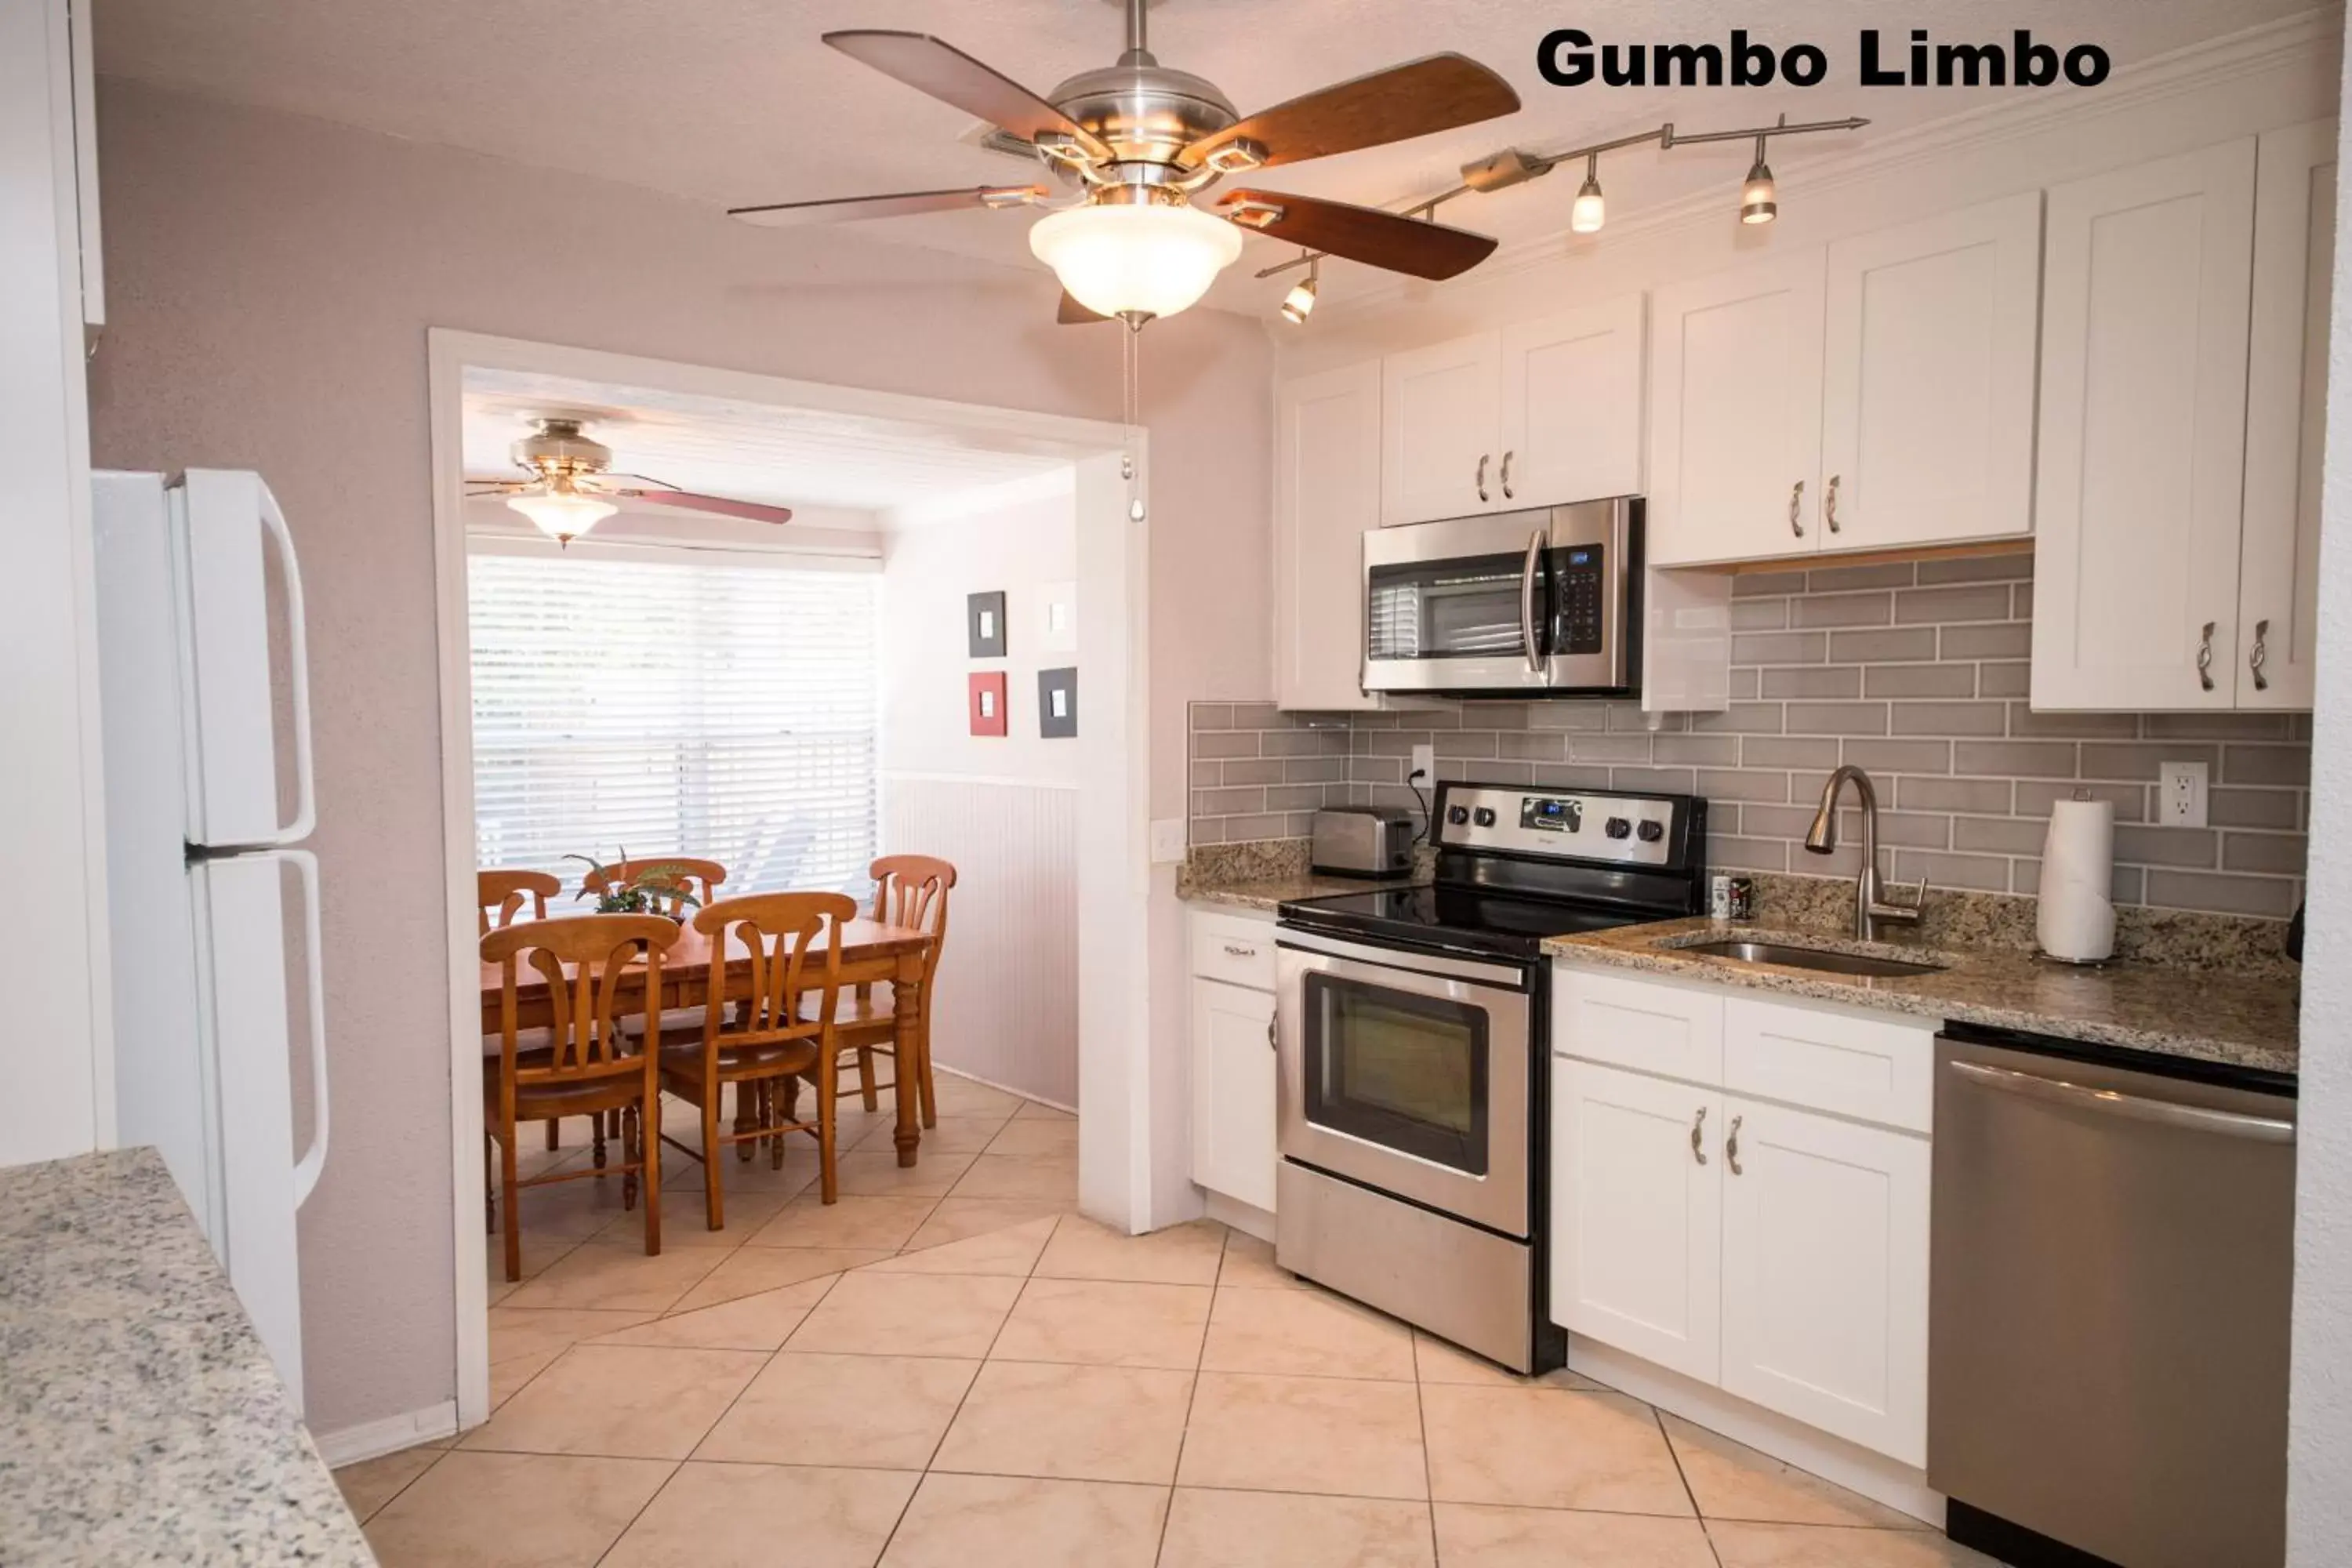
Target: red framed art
985	701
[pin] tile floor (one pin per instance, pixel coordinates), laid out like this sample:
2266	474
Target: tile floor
951	1369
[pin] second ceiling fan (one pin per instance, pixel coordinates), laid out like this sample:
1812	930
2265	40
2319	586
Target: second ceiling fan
1141	141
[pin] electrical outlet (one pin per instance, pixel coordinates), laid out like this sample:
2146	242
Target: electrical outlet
2181	795
1168	841
1425	763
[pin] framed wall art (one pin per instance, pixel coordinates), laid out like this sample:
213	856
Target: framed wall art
985	702
983	618
1057	704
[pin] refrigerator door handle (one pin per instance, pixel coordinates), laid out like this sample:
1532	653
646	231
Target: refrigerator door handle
306	815
314	1158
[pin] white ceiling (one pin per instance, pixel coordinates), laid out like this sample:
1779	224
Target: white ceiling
748	451
736	101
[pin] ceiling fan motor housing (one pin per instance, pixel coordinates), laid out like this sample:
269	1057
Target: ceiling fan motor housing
1146	114
557	447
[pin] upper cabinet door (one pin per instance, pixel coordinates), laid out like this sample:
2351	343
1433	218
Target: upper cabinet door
1572	405
2143	429
2286	416
1325	498
1927	410
1736	413
1440	454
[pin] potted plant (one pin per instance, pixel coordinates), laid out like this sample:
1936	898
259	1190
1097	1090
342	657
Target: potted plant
650	887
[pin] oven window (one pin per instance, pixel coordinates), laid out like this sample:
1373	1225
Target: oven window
1397	1068
1464	608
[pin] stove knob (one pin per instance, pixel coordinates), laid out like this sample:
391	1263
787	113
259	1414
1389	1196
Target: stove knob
1619	828
1458	815
1651	832
1484	816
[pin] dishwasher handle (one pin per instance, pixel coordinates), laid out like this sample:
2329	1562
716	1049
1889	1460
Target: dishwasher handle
2165	1112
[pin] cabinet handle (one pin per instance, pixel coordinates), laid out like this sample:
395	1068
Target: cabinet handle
1796	498
1732	1149
1697	1123
1829	504
2205	659
1507	476
1234	949
1269	1036
1481	476
2260	654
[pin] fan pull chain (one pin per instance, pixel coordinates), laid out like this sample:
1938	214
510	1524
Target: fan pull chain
1131	410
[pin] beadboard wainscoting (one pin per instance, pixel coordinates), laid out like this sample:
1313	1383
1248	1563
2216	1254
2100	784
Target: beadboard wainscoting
1008	986
1916	671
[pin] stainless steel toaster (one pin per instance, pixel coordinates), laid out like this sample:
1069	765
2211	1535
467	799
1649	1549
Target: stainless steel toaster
1362	841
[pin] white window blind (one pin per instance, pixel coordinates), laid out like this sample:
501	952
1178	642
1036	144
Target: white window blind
722	710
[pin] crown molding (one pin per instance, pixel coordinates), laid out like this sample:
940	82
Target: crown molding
2193	68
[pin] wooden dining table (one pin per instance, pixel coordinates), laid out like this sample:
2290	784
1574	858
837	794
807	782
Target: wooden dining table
870	952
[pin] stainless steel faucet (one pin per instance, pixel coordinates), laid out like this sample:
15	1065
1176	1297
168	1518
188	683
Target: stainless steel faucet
1822	838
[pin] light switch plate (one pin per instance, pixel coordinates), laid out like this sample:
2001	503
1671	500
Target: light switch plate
1168	841
2180	791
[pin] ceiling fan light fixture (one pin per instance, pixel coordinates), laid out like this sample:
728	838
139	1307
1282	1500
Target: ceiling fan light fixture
562	515
1132	260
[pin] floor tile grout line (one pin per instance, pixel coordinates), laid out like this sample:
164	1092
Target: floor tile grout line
1428	1463
1658	1419
1193	1396
623	1532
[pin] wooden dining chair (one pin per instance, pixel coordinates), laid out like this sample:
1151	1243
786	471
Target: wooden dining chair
503	894
910	890
783	1032
591	1067
699	877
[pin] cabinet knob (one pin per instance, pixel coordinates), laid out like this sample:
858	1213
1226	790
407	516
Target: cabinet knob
1829	504
1796	500
2260	654
1507	476
1731	1148
1697	1123
1481	476
2205	659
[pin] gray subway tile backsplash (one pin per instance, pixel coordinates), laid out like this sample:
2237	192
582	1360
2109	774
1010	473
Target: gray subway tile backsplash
1916	672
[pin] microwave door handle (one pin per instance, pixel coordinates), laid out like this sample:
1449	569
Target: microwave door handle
1527	604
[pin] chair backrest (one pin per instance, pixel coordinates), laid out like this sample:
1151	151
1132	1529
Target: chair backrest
503	894
911	890
587	962
700	878
793	940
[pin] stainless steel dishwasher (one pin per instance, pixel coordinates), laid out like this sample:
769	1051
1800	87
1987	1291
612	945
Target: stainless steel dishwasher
2112	1267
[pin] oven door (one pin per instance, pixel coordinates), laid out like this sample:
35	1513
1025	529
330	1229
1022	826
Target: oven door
1408	1072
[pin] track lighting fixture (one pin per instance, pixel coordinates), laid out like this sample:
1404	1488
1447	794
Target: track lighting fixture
1299	303
1758	200
1588	212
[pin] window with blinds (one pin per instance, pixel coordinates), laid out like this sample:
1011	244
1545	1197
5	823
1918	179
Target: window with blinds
726	711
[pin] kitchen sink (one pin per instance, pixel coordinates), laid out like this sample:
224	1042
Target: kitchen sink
1789	957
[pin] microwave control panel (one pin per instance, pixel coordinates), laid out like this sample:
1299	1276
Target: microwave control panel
1580	586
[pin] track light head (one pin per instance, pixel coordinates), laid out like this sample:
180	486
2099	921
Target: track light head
1759	200
1590	210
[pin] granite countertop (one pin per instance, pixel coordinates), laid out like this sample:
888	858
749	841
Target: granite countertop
1268	893
2248	1021
141	1420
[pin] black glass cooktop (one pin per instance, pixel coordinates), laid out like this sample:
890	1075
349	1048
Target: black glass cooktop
1434	915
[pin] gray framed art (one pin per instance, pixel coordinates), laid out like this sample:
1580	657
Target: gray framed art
1057	704
983	620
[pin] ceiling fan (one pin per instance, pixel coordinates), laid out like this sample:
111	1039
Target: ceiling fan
1136	145
571	482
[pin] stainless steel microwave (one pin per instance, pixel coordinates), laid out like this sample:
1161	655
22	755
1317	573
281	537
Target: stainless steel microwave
1546	602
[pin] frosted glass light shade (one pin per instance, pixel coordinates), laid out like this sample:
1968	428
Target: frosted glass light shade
1591	211
1152	261
1759	202
563	516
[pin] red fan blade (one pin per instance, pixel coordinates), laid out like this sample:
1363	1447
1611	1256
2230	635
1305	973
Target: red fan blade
687	500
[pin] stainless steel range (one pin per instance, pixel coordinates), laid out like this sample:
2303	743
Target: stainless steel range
1411	1030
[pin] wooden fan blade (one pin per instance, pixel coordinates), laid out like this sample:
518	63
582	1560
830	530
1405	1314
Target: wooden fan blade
902	203
1368	234
950	75
1429	95
1073	315
687	500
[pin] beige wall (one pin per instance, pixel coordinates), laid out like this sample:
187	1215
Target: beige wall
272	279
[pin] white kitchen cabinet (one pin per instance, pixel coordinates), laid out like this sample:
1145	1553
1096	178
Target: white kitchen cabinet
2286	416
1539	413
1928	380
1736	413
1825	1273
1440	416
1233	1148
1636	1214
2142	434
1325	498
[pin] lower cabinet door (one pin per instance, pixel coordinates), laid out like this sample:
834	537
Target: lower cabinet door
1233	1148
1637	1240
1825	1274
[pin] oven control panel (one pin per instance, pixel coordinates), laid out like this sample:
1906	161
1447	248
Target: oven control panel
1561	825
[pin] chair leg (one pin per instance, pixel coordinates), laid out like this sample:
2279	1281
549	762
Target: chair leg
775	1120
792	1098
930	1103
554	1133
866	1080
509	1182
596	1138
747	1117
828	1093
713	1206
651	1123
629	1158
491	1183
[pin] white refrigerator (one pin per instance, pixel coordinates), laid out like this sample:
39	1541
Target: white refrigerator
205	804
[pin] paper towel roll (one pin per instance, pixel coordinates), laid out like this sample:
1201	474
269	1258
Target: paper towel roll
2076	917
